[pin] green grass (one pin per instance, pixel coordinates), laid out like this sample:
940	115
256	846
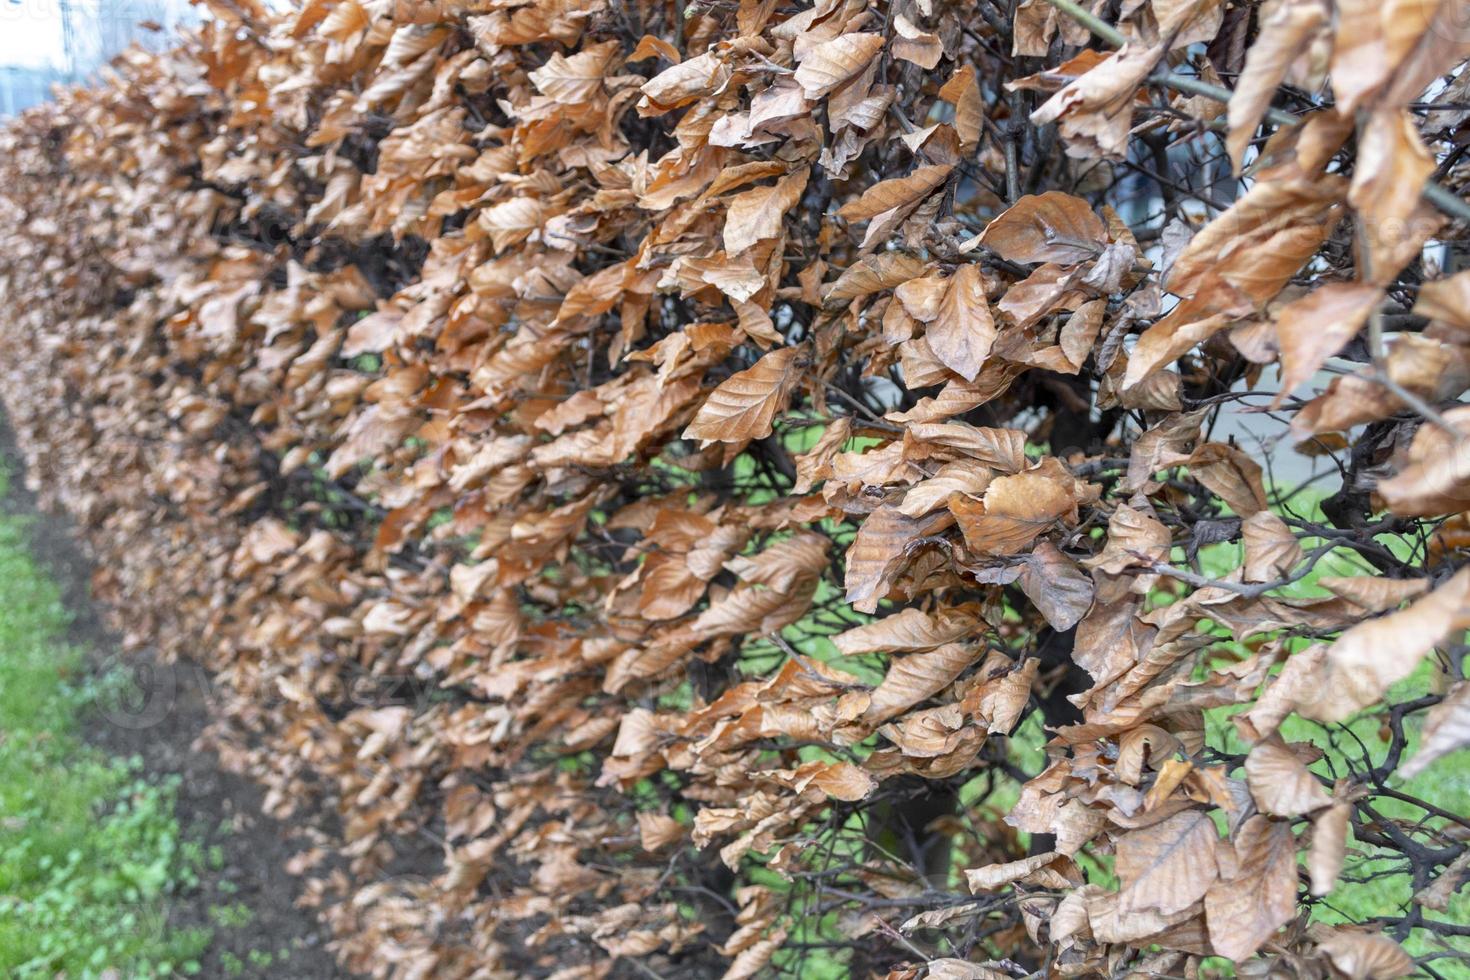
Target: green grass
90	852
1373	884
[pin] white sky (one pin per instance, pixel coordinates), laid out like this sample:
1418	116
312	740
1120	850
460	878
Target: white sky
31	30
30	33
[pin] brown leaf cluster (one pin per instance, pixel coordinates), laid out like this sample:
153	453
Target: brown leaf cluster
636	472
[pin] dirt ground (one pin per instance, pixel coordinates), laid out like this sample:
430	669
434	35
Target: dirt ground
215	808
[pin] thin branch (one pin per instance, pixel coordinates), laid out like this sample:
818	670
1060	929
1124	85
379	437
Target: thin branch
1442	198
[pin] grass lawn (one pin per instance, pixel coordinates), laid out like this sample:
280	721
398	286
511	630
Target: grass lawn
89	851
1374	883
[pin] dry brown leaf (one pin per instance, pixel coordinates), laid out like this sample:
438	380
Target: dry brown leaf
1329	847
684	82
815	465
1167	867
1014	512
874	273
996	876
1257	245
575	79
1134	538
963	91
897	192
1056	586
1095	112
744	405
907	630
1050	227
1285	33
657	831
915	45
1446	730
879	551
1446	300
1439	893
962	331
1436	479
1280	784
1312	329
1365	955
1387	185
828	65
918	676
1231	475
1000	700
1271	549
1247	907
950	968
755	215
1375	654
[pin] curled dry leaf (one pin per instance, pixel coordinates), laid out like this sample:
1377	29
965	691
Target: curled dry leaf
1436	479
1386	190
1055	586
756	214
1329	847
1050	227
995	876
1014	512
1290	27
1317	326
908	630
1365	955
831	63
949	968
1271	549
1441	892
962	331
898	192
1095	112
917	677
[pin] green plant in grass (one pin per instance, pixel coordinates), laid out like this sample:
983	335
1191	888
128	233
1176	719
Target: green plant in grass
90	852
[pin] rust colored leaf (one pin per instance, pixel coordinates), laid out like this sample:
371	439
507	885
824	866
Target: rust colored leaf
918	676
1013	513
962	331
1329	847
1317	326
1271	549
757	214
1371	656
744	405
1050	227
1285	34
908	630
1366	955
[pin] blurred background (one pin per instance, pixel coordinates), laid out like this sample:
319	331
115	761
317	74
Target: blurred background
45	42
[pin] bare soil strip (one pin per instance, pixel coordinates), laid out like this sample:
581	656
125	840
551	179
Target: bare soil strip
216	808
